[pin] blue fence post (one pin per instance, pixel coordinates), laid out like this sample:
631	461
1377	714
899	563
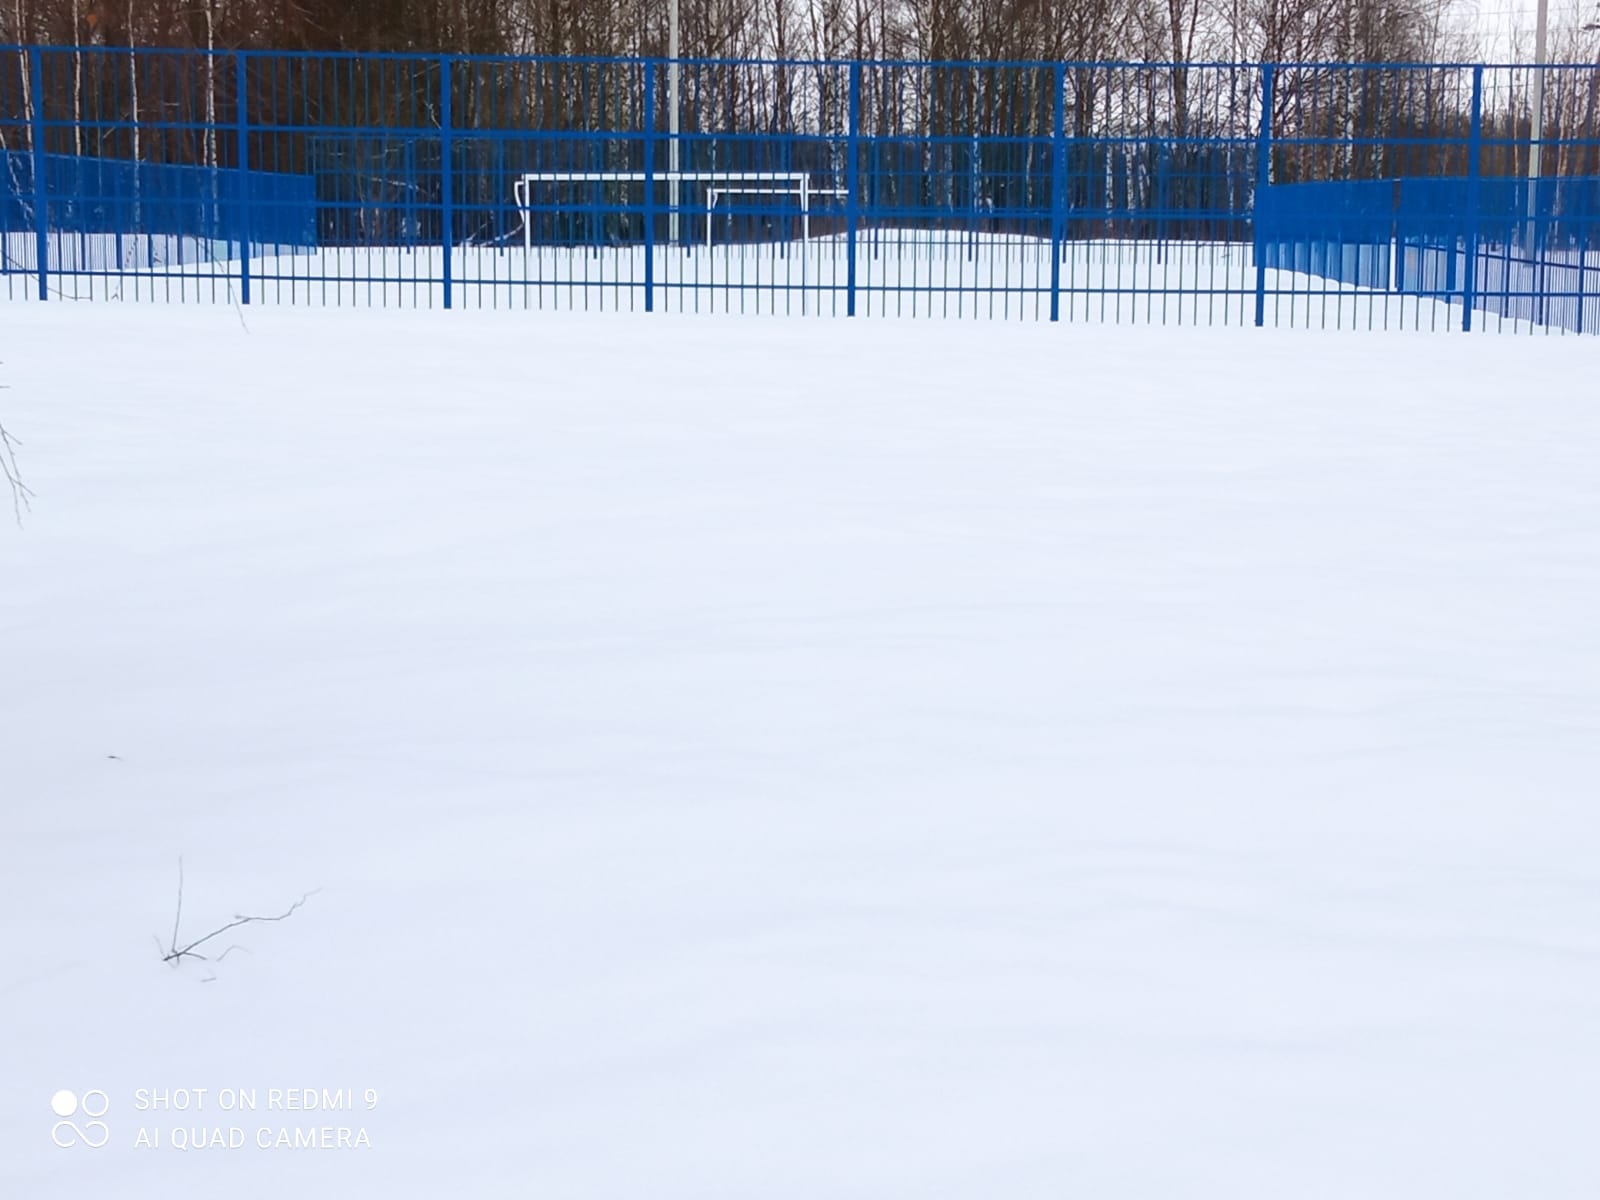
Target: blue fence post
1058	189
41	202
447	213
650	186
853	186
1469	283
243	121
1263	179
1583	262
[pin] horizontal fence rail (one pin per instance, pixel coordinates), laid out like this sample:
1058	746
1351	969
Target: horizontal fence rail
1341	195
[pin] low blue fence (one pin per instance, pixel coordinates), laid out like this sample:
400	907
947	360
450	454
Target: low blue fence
1349	195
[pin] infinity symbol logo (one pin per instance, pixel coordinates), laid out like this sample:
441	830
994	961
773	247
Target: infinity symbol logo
93	1133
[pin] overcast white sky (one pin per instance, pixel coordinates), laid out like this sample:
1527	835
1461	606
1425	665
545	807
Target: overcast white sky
1497	21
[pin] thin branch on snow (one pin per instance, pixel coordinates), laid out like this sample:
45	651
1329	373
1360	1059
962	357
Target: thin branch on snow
21	493
178	917
175	954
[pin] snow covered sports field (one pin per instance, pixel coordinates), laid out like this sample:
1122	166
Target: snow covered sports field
779	759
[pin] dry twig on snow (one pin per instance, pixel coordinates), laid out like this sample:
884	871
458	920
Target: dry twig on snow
175	954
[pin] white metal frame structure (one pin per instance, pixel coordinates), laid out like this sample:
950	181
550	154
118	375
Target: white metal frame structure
718	184
805	192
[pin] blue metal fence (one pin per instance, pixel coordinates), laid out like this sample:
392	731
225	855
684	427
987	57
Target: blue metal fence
1409	237
99	197
1307	194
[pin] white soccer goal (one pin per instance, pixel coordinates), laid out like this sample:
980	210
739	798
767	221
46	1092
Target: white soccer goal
718	185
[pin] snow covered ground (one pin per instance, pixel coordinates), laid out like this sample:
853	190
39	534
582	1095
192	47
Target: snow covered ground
798	759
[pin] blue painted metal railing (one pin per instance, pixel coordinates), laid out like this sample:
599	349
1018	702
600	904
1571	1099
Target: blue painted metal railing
1311	194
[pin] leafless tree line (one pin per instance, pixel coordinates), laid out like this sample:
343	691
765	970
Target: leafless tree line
912	30
781	66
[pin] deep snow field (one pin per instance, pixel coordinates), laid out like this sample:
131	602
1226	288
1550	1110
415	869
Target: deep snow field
798	759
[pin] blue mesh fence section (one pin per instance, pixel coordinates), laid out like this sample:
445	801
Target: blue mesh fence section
1536	261
1338	231
208	205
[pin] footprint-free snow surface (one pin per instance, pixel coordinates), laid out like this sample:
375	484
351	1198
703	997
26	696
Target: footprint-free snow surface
795	760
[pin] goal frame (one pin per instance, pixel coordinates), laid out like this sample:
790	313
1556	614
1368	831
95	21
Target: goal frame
718	185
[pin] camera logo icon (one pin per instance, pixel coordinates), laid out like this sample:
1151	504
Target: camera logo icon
92	1132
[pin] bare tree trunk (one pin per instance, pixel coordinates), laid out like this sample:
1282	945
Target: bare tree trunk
211	84
27	80
77	98
133	82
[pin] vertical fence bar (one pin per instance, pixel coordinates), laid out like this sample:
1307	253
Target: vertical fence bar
447	214
1583	262
1469	283
41	203
1263	179
1058	189
242	74
650	186
853	186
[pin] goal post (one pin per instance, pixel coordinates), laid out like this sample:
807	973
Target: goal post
717	185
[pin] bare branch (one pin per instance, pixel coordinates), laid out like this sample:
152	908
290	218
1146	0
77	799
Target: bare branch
174	954
178	917
21	493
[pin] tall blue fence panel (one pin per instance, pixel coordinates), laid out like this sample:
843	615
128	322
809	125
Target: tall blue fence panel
1534	259
1349	195
202	206
1338	231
